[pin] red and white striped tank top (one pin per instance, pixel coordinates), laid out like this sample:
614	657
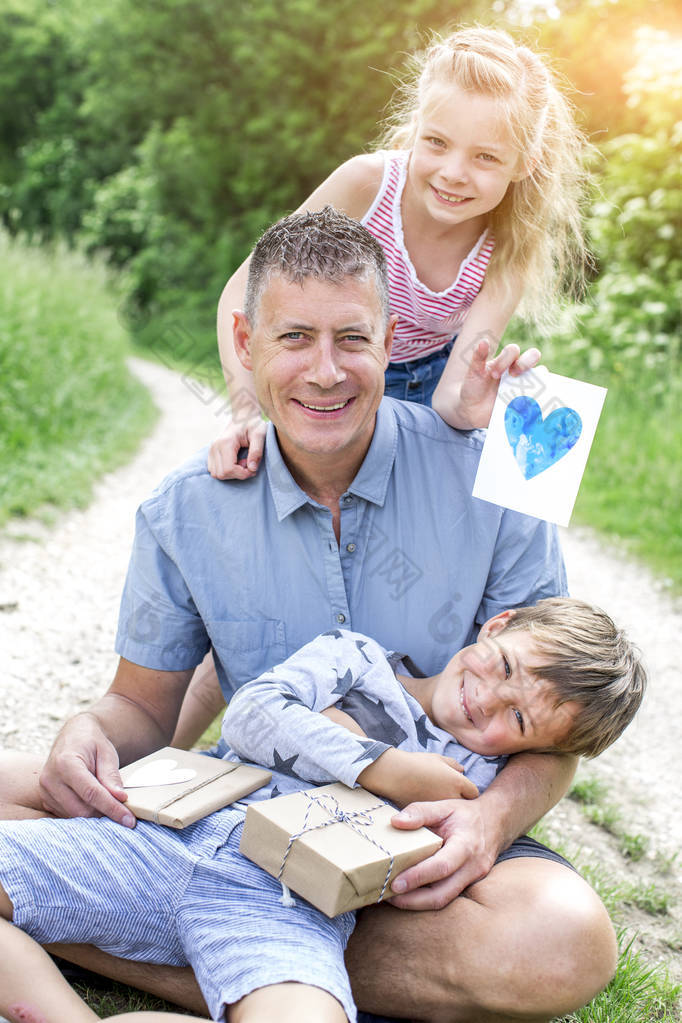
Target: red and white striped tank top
427	319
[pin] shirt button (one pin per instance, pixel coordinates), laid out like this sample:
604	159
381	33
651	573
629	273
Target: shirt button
340	617
348	499
350	547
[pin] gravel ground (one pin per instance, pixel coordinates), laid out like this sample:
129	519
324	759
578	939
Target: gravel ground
60	587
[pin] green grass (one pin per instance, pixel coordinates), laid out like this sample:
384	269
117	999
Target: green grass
587	790
68	406
633	846
638	992
119	999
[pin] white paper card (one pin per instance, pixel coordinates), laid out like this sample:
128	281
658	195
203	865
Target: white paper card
159	772
538	441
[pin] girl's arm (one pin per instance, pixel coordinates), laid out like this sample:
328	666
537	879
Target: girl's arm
466	392
351	188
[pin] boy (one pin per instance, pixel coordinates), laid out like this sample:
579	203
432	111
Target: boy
558	676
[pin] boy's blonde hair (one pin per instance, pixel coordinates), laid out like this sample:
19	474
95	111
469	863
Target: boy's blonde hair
537	226
590	662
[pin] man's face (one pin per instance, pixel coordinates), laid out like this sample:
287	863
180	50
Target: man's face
318	351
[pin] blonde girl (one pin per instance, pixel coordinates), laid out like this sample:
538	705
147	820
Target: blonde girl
475	197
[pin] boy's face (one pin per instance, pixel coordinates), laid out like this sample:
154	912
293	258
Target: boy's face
488	700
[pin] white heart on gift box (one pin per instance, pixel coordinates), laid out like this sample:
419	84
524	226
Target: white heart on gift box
159	772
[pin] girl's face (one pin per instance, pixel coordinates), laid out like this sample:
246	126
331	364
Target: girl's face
463	159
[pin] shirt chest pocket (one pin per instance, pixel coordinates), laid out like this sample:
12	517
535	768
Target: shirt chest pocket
245	649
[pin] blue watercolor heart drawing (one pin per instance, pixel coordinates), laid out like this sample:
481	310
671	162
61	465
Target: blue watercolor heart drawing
538	443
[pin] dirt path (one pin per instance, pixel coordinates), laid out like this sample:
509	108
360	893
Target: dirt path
59	593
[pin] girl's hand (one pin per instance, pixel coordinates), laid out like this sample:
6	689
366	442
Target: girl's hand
482	379
224	462
511	358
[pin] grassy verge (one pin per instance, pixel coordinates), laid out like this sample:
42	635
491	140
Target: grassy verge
70	409
633	479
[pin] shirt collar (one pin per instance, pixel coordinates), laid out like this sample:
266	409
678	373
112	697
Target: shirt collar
370	483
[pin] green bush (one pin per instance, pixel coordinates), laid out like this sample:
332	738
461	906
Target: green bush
68	406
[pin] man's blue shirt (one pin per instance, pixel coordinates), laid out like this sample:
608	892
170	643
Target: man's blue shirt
252	568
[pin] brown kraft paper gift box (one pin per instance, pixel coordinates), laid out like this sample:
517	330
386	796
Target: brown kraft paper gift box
343	864
182	787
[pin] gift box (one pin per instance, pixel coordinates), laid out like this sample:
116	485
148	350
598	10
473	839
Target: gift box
333	845
176	787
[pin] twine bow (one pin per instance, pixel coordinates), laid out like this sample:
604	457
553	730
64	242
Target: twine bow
355	819
227	768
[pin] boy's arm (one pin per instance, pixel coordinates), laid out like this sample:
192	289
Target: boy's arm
277	720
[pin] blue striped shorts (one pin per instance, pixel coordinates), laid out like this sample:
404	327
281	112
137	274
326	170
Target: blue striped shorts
176	897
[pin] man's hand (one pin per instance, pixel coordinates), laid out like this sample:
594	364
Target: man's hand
405	777
81	776
464	857
480	384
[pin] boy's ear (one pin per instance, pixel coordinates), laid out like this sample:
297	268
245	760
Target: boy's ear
496	624
241	335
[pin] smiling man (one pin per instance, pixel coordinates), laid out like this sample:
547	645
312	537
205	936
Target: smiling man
361	516
318	350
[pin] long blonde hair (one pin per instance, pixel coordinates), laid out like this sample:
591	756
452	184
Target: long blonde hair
537	226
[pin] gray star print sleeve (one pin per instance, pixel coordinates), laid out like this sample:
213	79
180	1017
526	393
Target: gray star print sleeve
276	720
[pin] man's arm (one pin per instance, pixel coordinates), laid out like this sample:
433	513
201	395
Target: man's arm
476	831
136	716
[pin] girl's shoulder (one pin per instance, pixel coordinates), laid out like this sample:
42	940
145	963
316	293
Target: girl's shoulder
352	187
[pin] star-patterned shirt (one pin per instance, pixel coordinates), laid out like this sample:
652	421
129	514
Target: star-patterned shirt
276	720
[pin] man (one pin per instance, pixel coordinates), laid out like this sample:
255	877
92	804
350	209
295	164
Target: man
361	517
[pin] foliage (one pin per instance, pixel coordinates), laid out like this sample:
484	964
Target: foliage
633	319
171	134
592	44
67	403
626	335
166	135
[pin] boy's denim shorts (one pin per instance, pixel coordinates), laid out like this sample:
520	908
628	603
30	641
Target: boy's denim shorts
181	898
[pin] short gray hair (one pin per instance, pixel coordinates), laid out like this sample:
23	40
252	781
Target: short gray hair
327	245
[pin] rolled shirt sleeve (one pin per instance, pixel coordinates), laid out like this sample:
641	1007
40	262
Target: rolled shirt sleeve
159	626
